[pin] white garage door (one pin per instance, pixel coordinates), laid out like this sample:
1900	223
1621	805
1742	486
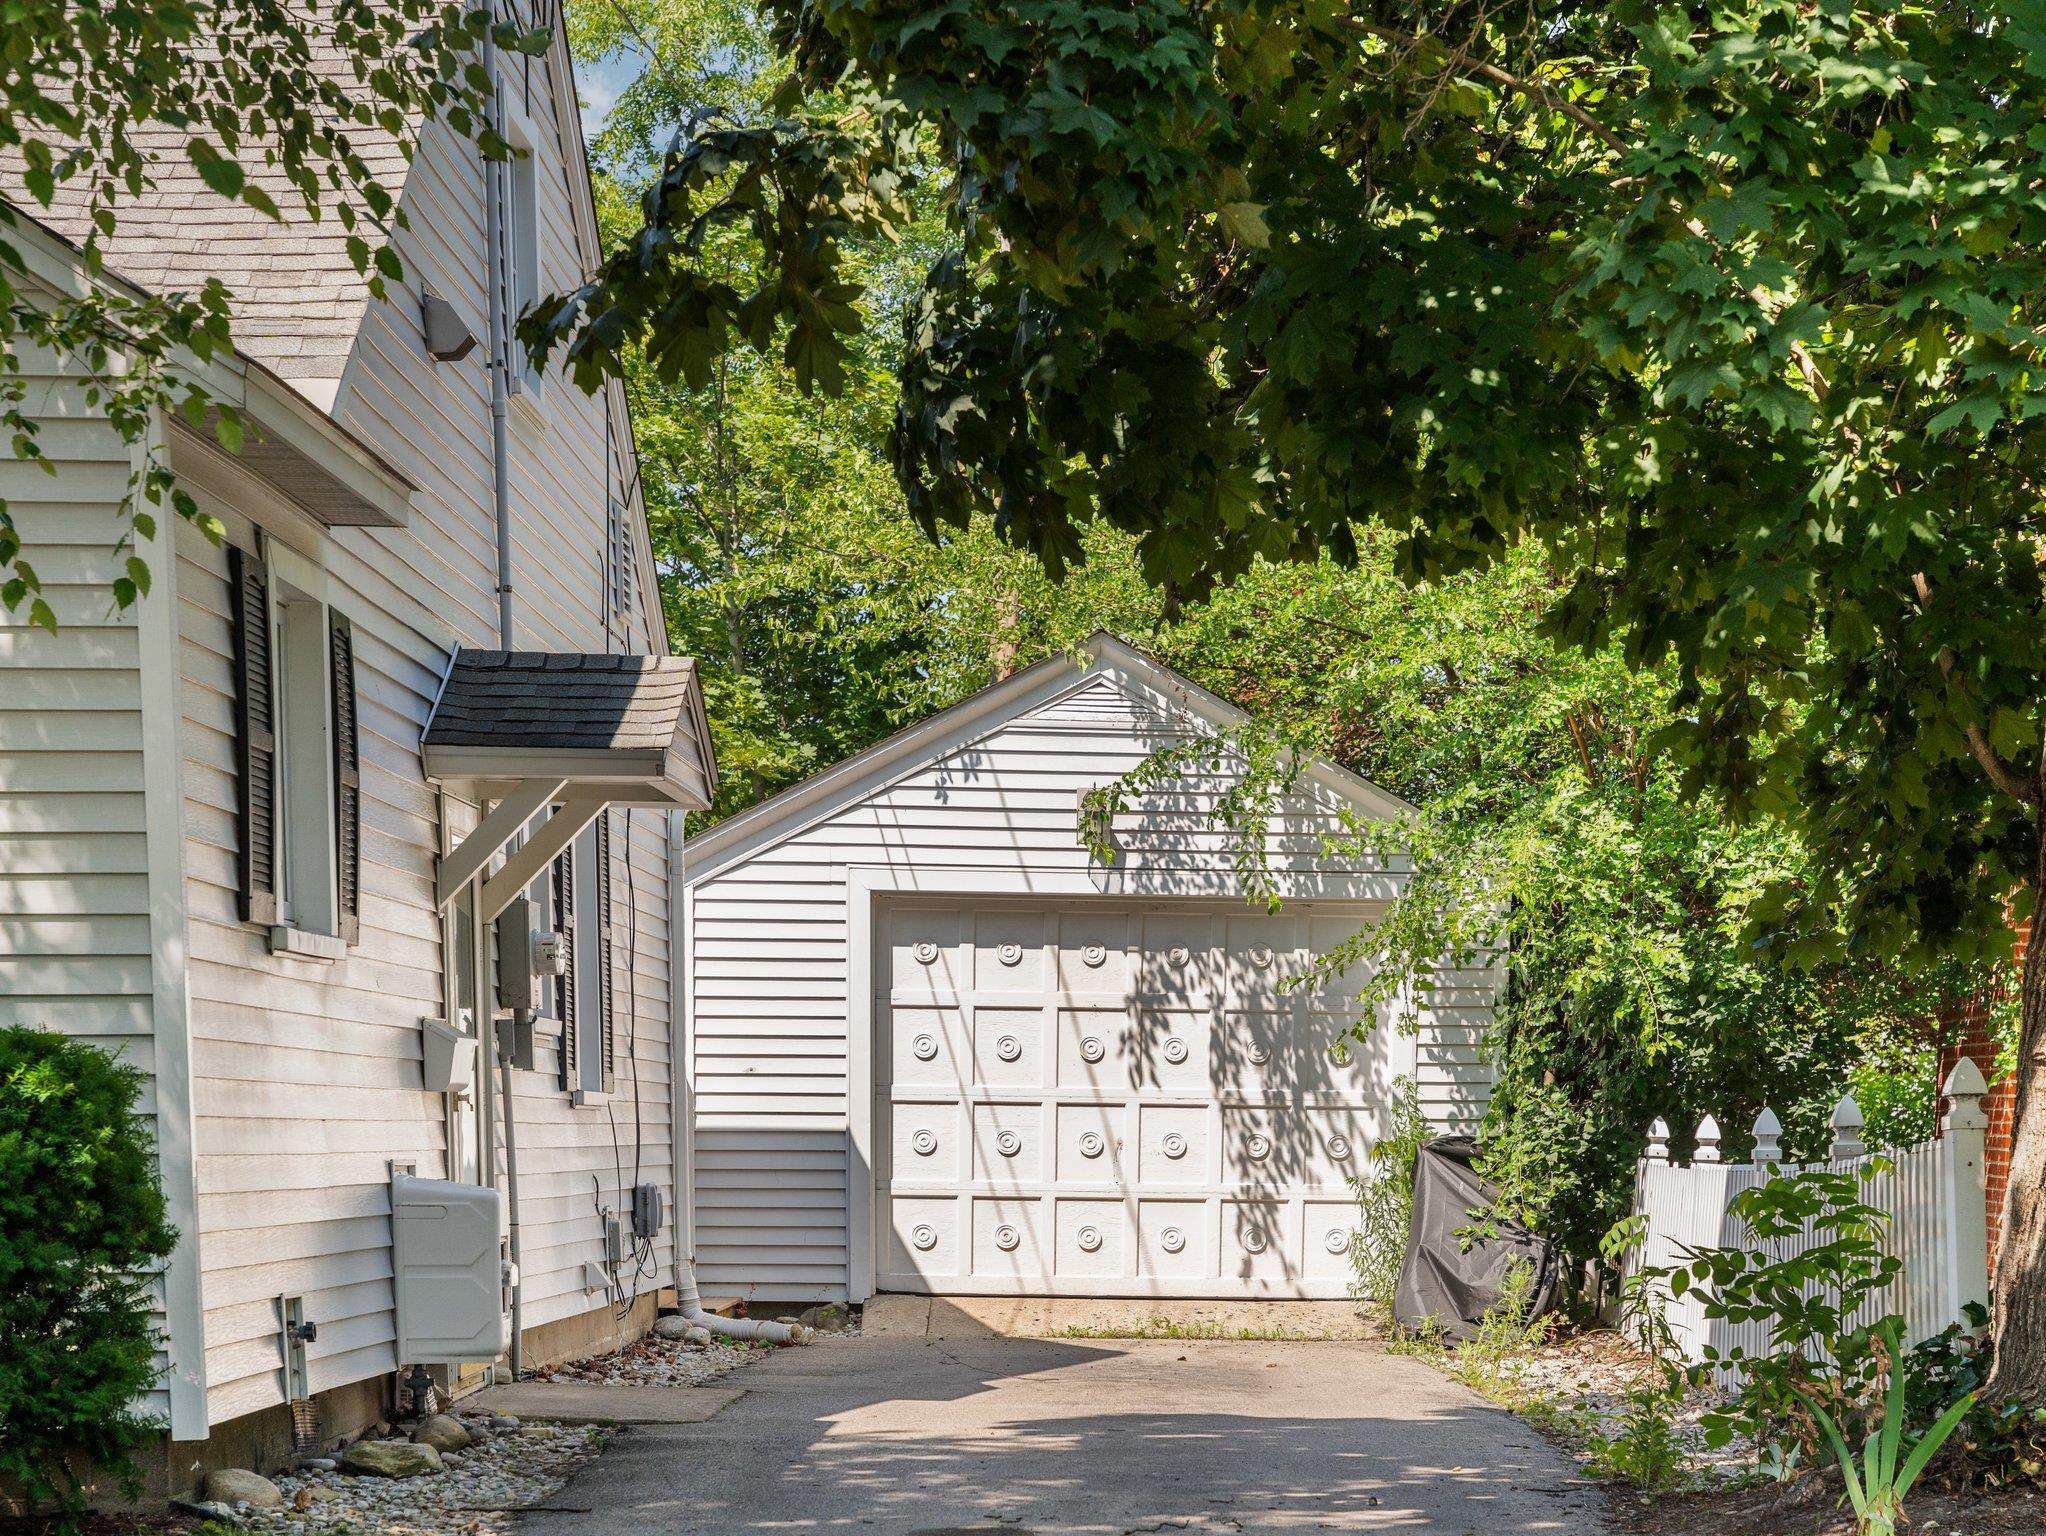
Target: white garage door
1114	1098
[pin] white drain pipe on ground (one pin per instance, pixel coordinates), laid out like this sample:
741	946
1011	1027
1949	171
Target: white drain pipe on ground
731	1327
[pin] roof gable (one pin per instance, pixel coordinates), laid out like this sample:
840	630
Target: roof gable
298	300
1110	687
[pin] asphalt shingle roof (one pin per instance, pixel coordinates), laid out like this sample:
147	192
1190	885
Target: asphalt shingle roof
548	701
298	300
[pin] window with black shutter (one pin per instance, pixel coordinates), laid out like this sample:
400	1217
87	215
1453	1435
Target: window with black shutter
256	730
347	796
607	989
299	797
578	900
565	984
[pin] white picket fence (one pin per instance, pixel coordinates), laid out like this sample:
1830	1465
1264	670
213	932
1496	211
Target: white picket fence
1932	1193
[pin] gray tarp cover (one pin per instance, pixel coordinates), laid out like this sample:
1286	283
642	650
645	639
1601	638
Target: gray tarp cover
1440	1278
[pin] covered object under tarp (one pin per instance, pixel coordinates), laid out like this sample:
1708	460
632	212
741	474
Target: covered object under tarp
1450	1277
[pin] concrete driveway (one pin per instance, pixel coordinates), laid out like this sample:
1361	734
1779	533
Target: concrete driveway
913	1437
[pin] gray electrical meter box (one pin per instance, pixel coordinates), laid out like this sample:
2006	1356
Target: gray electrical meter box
452	1253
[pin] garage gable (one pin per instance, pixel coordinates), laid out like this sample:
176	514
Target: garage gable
1089	716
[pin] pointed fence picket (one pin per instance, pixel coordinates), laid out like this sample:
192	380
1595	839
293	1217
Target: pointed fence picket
1931	1192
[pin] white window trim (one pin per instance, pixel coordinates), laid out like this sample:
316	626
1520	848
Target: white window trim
295	579
522	247
589	972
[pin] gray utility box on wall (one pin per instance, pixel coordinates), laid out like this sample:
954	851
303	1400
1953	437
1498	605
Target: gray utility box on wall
454	1276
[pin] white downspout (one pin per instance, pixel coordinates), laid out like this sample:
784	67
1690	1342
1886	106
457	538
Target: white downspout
500	360
682	1096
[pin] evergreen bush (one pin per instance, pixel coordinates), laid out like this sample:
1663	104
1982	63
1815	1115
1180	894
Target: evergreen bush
82	1237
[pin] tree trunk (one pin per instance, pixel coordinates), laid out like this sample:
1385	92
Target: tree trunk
1008	619
2020	1368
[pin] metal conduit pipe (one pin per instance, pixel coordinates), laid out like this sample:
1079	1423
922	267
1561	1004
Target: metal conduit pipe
731	1327
500	349
500	490
511	1184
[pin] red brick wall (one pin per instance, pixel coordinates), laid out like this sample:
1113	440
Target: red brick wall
1975	1037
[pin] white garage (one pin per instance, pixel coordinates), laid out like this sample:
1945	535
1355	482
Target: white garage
932	1045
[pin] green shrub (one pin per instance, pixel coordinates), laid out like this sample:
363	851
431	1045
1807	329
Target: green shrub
2002	1441
82	1235
1645	1449
1385	1198
1817	1355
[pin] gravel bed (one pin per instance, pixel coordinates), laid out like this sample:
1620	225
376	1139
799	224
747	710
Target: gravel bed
657	1362
1587	1377
506	1468
653	1362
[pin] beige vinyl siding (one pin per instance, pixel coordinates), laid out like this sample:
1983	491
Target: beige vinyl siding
574	1160
306	1073
769	975
309	1073
75	920
299	1081
431	421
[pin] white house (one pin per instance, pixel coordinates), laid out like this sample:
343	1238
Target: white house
239	824
932	1044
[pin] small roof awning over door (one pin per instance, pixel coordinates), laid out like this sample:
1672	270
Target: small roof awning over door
530	729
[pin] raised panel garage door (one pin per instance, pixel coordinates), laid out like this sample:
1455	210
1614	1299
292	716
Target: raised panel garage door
1114	1098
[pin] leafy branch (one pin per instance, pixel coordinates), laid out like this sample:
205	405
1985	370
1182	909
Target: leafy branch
288	112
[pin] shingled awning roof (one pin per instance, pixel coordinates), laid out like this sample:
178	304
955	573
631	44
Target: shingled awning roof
589	719
563	734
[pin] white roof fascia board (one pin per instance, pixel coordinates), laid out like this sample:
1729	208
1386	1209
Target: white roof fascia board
288	417
581	764
277	409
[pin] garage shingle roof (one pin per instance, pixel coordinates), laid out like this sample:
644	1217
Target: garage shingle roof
554	701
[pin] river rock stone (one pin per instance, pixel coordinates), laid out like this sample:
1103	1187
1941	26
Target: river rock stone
391	1458
672	1327
234	1485
828	1318
208	1509
444	1432
697	1335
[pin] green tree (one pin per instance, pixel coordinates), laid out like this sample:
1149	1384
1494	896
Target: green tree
824	620
82	1233
1733	309
1546	818
264	103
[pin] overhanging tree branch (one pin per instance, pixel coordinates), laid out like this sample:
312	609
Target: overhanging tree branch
2001	774
1536	91
1532	89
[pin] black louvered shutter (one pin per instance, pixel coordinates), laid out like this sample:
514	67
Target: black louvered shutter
256	734
564	984
347	782
606	988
